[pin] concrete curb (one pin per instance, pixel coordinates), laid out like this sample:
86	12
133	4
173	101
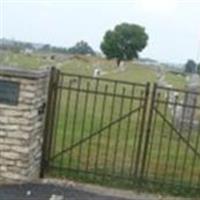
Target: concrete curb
127	194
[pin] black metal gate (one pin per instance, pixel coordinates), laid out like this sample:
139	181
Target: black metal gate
95	126
172	143
101	129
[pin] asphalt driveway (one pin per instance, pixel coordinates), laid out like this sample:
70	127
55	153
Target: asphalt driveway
48	192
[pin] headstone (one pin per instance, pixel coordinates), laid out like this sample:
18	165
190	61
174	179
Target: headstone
190	102
97	72
121	66
186	117
193	81
173	95
28	51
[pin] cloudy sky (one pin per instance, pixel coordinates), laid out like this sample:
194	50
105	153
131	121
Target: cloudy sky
173	25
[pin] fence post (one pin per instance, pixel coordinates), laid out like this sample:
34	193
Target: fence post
145	104
49	119
148	130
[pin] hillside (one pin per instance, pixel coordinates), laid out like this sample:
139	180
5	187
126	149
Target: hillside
135	72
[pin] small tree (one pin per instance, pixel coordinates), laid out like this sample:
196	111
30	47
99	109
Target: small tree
190	67
46	47
124	42
81	47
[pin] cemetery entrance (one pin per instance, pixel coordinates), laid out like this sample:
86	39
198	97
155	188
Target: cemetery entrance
121	133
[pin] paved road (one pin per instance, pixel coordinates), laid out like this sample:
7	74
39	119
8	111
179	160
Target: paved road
48	192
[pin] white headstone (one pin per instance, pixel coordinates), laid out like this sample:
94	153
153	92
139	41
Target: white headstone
186	116
97	72
194	81
121	66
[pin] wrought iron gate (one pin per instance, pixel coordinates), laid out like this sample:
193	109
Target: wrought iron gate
172	142
102	129
95	126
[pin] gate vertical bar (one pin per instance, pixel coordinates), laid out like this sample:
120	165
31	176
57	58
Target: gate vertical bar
49	119
139	149
148	130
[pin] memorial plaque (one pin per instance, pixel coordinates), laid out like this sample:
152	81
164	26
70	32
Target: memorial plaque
9	92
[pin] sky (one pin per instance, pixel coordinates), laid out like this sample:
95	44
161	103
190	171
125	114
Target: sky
173	26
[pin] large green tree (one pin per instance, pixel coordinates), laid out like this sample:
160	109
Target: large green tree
124	42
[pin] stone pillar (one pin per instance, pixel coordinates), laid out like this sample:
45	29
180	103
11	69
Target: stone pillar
23	95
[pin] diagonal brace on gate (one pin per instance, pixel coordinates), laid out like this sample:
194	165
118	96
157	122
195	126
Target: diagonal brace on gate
177	132
97	132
